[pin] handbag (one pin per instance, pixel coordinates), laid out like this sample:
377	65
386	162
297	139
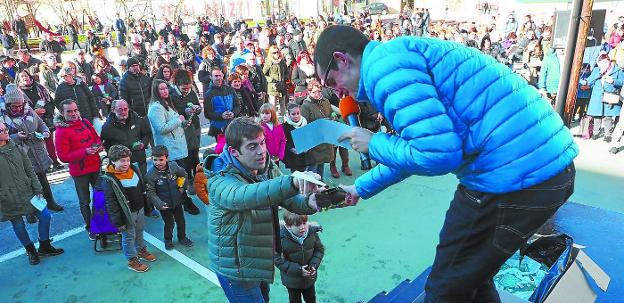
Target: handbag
610	98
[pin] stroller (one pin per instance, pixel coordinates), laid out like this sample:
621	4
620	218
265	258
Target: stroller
101	227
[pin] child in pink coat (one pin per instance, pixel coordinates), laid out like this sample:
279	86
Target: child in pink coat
273	132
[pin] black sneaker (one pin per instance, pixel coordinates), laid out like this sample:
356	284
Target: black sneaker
31	218
169	245
607	139
614	150
186	242
92	237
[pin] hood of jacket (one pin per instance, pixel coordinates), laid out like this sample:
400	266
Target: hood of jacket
225	160
60	122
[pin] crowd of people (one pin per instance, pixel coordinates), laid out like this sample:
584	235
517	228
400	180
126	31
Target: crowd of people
256	85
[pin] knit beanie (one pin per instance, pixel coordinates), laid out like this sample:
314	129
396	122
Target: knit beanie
13	94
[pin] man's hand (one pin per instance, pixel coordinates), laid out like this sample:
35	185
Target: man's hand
304	186
379	118
91	150
305	272
359	138
182	119
22	135
352	197
293	150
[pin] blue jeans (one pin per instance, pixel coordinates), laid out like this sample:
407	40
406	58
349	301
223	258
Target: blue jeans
132	237
44	227
244	291
482	230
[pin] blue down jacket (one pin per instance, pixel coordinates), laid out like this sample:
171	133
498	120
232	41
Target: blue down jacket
457	111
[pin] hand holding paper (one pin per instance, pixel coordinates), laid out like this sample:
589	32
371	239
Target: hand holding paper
319	132
358	138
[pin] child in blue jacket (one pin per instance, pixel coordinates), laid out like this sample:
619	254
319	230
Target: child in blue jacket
165	185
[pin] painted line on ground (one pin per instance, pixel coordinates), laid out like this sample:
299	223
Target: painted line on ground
182	258
18	252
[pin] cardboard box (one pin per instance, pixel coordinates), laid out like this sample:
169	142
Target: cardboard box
578	283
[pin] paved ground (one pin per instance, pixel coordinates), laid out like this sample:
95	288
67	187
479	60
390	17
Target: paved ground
369	248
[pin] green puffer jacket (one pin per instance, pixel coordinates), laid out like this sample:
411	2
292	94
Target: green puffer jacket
295	255
18	182
242	237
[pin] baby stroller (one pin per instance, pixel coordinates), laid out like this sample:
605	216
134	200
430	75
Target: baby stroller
101	227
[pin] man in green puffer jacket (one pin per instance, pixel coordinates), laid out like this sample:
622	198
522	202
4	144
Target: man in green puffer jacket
245	190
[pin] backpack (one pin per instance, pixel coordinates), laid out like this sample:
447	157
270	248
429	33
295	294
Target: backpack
10	41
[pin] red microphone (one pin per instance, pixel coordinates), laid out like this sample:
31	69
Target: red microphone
350	111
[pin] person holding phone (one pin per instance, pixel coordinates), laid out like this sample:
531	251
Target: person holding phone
78	144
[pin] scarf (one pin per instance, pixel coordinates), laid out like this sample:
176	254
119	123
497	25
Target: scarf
299	239
127	178
299	124
308	69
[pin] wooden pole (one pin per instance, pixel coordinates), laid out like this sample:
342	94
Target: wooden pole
577	63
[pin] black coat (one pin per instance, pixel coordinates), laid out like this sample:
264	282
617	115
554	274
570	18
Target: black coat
136	129
295	255
292	160
83	96
192	133
136	89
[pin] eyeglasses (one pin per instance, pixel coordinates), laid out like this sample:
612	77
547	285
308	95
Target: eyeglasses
4	131
327	69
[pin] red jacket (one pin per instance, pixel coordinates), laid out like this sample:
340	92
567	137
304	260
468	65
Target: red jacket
72	140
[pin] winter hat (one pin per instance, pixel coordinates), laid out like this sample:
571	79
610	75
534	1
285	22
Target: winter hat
132	61
13	94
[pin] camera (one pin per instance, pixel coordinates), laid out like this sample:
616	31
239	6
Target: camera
331	197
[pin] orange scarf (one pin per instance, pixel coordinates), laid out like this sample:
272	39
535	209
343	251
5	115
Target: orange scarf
120	175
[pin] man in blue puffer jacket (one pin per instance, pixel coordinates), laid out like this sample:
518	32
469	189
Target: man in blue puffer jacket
456	111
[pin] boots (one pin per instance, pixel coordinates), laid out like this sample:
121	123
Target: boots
46	249
189	206
53	206
334	170
345	164
57	165
31	252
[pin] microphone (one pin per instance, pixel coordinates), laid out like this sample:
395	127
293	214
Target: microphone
350	111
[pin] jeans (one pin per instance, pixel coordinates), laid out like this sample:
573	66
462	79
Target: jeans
132	237
174	217
604	123
244	291
309	295
618	132
23	41
84	195
318	168
47	191
482	230
44	227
